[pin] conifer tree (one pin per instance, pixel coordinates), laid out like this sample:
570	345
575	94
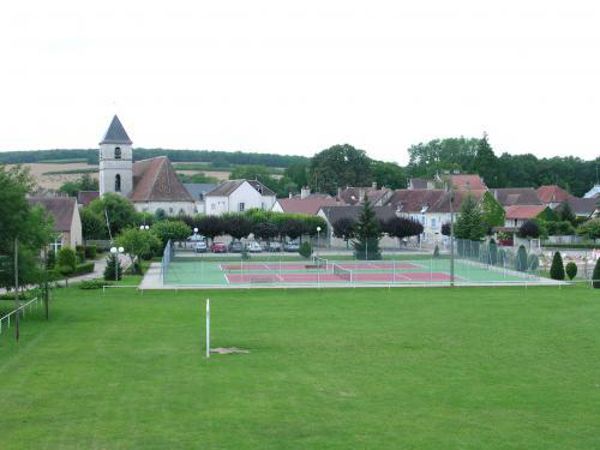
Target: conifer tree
368	232
557	270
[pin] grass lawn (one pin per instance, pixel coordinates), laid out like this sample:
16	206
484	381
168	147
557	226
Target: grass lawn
353	368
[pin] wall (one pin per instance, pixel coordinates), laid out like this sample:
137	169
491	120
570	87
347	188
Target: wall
170	208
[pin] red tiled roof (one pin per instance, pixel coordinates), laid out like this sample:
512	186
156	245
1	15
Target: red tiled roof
155	180
467	182
310	205
413	200
60	208
523	211
552	194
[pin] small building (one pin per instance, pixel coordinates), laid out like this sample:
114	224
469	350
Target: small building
517	215
552	195
67	222
356	195
516	196
238	196
198	192
309	205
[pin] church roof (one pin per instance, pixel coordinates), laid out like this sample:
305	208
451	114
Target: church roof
155	180
116	134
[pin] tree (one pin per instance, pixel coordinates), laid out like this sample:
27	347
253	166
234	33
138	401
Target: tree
366	243
113	270
93	226
237	225
337	166
174	230
486	164
138	244
84	183
596	275
571	270
521	260
493	252
446	229
210	226
565	213
492	212
388	174
66	261
260	173
120	211
557	270
590	229
529	230
344	228
292	227
401	227
469	224
298	173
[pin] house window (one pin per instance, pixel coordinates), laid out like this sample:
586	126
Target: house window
117	183
201	196
242	206
117	152
433	222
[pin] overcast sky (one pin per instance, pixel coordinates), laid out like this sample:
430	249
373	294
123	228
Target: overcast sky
298	77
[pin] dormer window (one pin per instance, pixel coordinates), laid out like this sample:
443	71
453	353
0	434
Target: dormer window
117	152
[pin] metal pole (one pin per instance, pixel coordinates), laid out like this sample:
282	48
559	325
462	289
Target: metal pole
117	266
17	289
46	283
208	328
451	237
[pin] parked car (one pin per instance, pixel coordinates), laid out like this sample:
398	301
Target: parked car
218	247
201	247
254	247
236	247
196	237
291	246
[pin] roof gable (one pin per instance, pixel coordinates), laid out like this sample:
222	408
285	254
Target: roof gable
334	213
523	211
310	205
517	196
552	194
155	180
60	208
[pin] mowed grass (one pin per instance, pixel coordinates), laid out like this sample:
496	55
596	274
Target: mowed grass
355	368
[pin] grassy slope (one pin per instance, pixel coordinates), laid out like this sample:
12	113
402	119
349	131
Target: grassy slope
406	368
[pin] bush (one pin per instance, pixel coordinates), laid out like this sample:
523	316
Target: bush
533	263
92	284
436	251
91	252
521	260
571	270
557	270
84	268
596	275
51	262
305	250
66	260
113	267
529	230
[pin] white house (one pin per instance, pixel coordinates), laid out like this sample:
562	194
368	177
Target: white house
238	196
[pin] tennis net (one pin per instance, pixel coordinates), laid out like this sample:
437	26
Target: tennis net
321	263
344	274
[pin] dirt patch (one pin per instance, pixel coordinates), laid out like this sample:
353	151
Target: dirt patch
228	350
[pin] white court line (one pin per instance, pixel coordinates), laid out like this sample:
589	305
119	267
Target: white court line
226	278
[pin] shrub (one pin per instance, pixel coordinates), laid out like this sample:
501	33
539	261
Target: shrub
84	268
91	251
305	250
557	270
51	259
92	284
596	275
529	230
66	260
436	251
113	268
521	260
571	270
533	263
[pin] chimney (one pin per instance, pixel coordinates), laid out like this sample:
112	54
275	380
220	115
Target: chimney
374	185
304	192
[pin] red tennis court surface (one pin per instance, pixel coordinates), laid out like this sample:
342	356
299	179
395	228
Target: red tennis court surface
291	278
349	265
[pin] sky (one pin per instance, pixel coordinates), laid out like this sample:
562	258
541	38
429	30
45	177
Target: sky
298	77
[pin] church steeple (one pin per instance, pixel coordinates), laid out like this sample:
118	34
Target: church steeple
116	133
116	160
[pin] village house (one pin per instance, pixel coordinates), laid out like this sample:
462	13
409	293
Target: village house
66	218
238	196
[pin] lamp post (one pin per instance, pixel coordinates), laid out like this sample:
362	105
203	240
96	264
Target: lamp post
451	237
318	240
144	227
117	251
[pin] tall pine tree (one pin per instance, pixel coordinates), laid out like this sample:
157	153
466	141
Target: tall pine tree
368	232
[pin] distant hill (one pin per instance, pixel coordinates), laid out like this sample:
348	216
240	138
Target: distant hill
217	159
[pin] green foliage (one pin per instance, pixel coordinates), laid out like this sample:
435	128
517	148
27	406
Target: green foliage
469	225
529	230
81	269
547	215
113	270
66	260
557	269
92	284
493	252
339	166
533	263
120	211
565	213
140	243
91	251
237	225
436	251
402	227
521	259
85	183
344	228
197	178
486	164
492	212
388	174
175	230
571	270
558	228
93	225
305	250
368	233
596	275
590	229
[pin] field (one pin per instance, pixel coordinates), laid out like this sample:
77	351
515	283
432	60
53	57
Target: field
336	368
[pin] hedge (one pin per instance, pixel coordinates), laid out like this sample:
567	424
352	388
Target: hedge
91	251
84	268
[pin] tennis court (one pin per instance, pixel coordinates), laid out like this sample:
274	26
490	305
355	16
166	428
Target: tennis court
206	272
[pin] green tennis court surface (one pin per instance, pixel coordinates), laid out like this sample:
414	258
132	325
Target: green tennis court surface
235	273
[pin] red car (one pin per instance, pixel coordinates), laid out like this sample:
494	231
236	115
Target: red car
218	247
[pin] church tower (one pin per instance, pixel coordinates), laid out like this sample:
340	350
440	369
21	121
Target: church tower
116	162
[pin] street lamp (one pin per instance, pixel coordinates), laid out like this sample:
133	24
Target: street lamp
144	227
117	251
318	239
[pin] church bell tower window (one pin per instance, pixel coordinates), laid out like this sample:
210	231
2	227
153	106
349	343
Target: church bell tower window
117	152
117	183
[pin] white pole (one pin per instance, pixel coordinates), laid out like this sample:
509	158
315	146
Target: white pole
208	328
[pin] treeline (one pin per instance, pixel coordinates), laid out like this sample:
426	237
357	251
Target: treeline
218	159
